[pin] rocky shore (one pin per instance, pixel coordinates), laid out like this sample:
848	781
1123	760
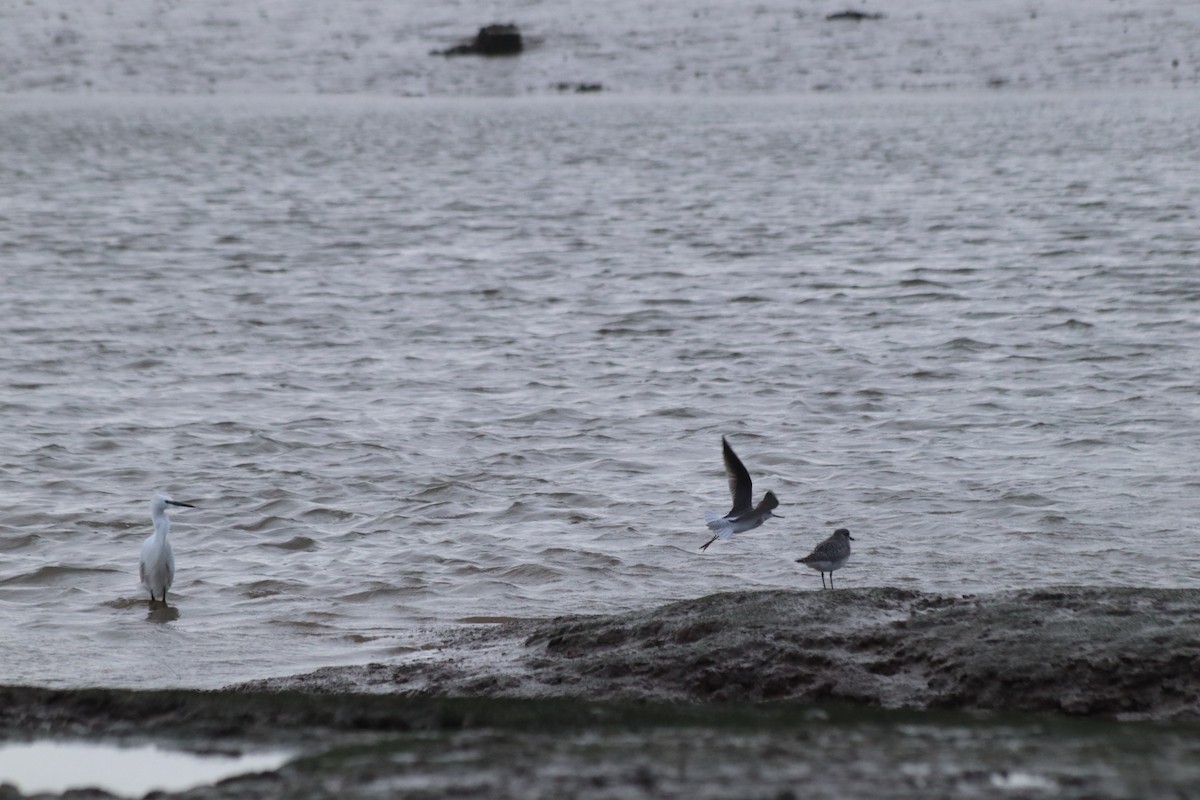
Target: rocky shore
385	746
1115	652
866	692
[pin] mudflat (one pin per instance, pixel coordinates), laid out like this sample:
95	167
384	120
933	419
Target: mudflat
1066	692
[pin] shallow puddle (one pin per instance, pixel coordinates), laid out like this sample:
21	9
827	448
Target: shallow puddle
56	766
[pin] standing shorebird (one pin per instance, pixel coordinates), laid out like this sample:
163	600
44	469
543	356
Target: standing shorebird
831	554
156	567
743	516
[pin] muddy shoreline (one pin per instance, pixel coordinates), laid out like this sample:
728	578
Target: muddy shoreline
1065	692
386	746
1125	653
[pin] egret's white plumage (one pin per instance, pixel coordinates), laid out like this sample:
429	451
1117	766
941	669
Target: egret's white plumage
156	568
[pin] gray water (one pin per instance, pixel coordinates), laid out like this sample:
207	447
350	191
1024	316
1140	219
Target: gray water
425	362
692	47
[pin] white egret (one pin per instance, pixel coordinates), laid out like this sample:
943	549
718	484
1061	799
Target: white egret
157	565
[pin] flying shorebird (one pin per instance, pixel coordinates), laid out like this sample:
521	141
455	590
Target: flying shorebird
156	568
743	516
831	554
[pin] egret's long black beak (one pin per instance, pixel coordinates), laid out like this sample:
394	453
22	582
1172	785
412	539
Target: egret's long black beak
177	503
777	516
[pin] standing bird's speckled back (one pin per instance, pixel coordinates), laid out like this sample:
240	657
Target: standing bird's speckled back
831	554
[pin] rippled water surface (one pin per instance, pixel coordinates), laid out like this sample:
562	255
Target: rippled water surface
424	361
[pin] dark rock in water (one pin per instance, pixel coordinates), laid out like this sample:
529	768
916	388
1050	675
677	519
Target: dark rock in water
493	40
1117	652
499	40
852	16
579	88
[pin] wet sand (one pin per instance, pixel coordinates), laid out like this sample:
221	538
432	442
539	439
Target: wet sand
1065	692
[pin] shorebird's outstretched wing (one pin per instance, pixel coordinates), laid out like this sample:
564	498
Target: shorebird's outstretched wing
740	486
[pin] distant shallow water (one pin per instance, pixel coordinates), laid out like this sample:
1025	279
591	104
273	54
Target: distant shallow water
695	47
419	362
54	767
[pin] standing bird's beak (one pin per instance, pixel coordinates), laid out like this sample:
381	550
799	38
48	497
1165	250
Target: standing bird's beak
177	503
